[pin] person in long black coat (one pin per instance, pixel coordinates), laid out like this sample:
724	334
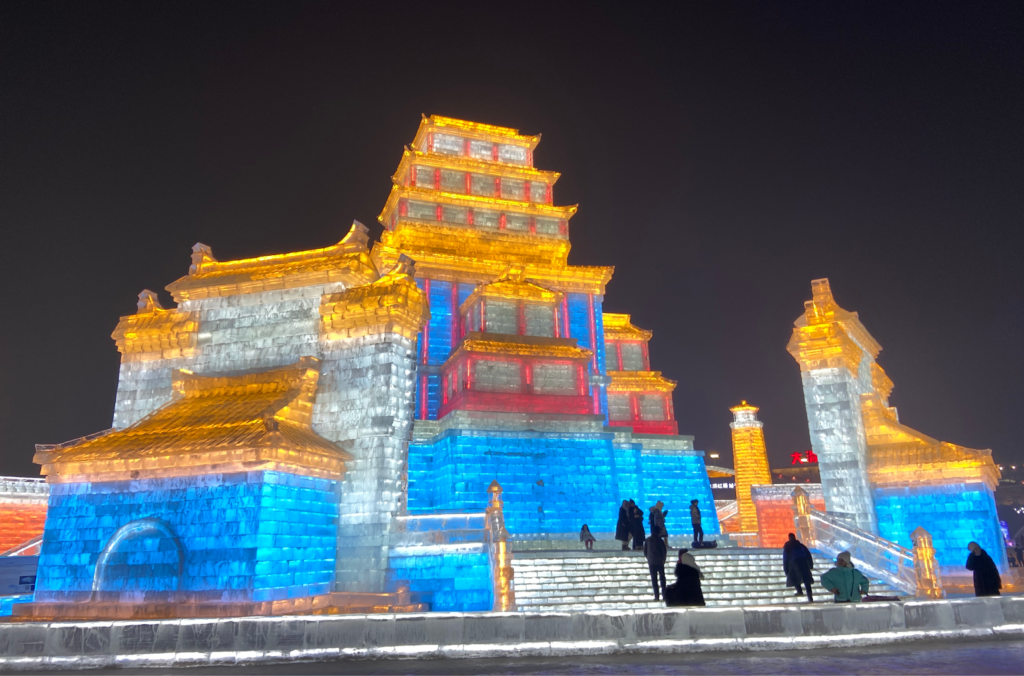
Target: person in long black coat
797	563
637	526
986	575
687	590
622	526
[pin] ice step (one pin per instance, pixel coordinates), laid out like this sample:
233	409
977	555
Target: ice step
548	580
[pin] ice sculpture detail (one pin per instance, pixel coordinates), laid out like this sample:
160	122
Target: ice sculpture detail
887	478
750	458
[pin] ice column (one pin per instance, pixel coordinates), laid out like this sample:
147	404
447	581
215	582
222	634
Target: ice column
369	344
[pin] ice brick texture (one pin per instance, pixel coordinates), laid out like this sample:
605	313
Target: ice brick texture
555	482
775	516
954	514
832	399
248	536
241	332
449	578
365	403
22	510
581	320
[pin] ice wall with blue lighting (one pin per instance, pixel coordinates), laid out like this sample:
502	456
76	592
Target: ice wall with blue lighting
555	482
444	560
246	536
954	514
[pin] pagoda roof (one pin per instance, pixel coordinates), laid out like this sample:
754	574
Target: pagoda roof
639	381
475	130
152	330
459	199
473	257
899	455
825	325
213	424
619	327
521	346
512	285
348	262
459	162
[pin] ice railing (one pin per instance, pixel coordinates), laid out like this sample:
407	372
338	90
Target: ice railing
461	531
872	554
726	509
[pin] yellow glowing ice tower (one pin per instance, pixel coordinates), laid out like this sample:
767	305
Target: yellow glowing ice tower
750	457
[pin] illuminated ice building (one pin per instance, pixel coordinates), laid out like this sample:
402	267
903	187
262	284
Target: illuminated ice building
346	427
877	473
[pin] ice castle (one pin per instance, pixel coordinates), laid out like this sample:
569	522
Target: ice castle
357	427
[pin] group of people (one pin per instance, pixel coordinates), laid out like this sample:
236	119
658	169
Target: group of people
630	525
848	584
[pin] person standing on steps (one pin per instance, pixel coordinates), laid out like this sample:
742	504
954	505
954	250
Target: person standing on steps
657	519
686	590
698	532
655	551
586	537
844	581
637	525
622	526
797	564
986	575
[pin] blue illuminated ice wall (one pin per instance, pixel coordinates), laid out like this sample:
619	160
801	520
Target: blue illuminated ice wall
435	343
954	514
447	564
555	482
248	536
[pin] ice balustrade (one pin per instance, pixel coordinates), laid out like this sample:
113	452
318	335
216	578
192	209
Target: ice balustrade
455	561
726	509
912	571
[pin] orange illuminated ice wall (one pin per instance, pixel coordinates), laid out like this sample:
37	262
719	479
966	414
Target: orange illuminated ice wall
22	514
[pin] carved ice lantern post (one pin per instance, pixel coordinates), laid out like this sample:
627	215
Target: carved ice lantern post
501	554
929	584
802	516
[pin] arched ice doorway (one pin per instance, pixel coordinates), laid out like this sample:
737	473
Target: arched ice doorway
143	561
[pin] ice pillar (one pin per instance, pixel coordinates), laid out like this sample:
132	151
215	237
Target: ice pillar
369	340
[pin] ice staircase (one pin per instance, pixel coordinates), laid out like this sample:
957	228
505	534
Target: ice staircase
549	580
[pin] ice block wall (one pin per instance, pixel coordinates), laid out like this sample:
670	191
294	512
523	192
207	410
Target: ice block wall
250	536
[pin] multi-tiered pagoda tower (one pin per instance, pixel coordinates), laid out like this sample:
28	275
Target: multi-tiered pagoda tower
513	381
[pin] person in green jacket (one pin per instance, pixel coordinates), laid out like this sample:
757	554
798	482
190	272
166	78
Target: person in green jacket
844	581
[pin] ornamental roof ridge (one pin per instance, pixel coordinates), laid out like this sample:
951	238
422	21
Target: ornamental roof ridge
347	261
618	326
217	422
478	130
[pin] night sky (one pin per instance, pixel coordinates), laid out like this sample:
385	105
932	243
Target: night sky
723	156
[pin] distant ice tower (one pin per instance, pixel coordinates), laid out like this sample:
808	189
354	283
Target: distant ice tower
750	458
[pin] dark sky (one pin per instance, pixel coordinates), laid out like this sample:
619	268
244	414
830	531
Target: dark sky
722	154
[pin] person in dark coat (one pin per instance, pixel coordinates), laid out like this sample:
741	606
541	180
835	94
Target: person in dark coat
686	591
655	551
637	526
797	564
698	532
986	574
657	520
622	526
